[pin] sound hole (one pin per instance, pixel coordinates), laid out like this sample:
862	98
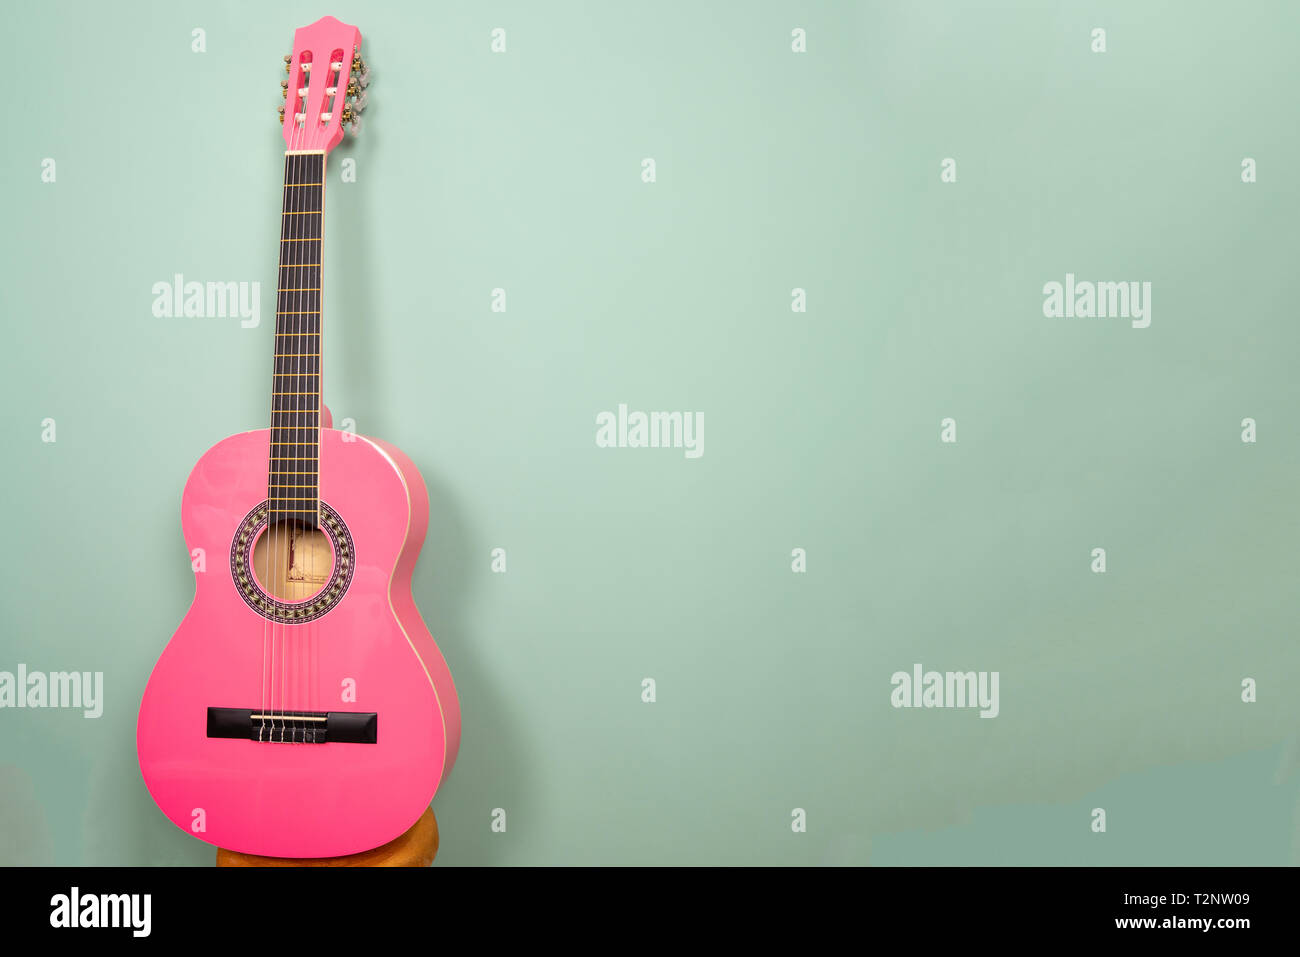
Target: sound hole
292	562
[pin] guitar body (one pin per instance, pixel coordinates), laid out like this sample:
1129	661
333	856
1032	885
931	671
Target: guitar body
360	647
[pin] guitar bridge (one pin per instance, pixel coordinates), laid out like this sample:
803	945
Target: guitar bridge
294	727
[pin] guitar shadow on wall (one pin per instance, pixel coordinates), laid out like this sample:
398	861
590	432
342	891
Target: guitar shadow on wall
492	769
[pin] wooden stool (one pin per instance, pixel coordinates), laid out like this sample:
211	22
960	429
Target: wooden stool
416	848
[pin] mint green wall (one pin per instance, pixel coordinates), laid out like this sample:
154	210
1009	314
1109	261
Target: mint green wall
775	170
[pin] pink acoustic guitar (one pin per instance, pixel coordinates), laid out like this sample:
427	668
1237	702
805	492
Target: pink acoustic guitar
302	709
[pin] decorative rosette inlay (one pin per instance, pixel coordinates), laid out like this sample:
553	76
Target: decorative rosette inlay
286	612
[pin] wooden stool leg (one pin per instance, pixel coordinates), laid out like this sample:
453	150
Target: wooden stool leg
416	848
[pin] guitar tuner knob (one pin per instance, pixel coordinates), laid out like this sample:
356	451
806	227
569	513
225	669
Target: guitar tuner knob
282	116
287	60
363	78
355	128
359	104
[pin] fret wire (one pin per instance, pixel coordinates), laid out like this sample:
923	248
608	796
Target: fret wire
287	433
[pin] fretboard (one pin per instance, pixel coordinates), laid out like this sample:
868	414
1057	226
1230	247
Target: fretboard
293	483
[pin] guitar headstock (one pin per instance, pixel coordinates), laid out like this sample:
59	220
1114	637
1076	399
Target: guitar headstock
326	86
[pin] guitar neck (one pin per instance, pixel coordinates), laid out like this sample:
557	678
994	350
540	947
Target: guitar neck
293	478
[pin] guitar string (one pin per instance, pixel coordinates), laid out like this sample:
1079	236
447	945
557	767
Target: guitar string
279	480
314	321
284	480
297	404
339	78
336	109
289	481
293	532
313	325
319	379
305	532
309	633
301	529
275	361
302	632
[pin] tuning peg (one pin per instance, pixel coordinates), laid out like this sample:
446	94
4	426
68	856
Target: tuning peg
284	89
364	78
282	116
359	104
287	60
351	118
